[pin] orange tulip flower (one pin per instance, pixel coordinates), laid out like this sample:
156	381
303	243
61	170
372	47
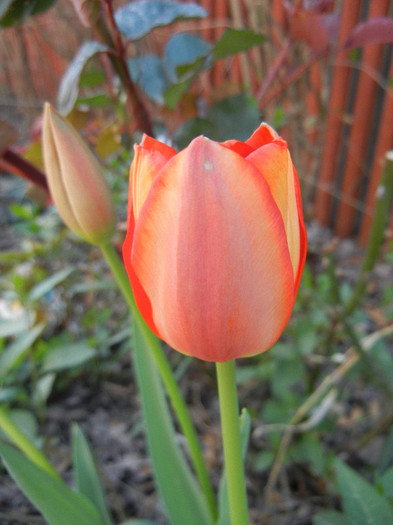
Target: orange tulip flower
216	243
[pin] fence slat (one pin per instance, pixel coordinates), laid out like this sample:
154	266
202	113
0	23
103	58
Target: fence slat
359	138
384	144
334	121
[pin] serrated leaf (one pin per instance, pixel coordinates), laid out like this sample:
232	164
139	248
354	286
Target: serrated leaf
137	19
15	351
13	12
362	503
67	356
235	41
182	49
69	84
86	475
330	517
149	72
47	285
57	503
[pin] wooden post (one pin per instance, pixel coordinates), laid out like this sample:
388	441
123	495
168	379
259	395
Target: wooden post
384	143
360	131
338	97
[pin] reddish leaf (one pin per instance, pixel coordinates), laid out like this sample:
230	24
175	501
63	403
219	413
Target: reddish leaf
377	30
317	30
8	135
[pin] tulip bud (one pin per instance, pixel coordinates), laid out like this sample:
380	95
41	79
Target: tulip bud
76	181
216	243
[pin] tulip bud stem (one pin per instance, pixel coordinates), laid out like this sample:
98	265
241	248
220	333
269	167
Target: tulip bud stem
166	374
234	469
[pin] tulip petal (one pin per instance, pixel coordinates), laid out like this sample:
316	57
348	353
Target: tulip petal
149	158
274	163
263	135
237	146
76	182
210	252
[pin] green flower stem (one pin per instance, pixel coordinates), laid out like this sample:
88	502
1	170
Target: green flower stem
24	444
167	376
234	470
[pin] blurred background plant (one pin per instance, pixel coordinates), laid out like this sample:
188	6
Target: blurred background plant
321	73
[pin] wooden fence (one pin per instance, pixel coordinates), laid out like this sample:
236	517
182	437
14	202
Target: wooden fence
337	115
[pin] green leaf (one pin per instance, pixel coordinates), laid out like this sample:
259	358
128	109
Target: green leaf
223	502
12	393
235	41
264	460
13	12
362	503
43	388
87	479
174	93
179	491
330	517
57	503
16	326
149	72
15	351
92	78
138	522
386	454
47	285
67	356
235	117
387	483
182	49
310	450
69	84
26	422
193	128
99	100
138	18
383	360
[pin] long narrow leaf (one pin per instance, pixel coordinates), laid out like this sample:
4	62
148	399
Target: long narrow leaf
87	478
57	503
179	491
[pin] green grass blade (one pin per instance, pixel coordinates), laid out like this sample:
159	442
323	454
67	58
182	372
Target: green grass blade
86	476
179	491
57	503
